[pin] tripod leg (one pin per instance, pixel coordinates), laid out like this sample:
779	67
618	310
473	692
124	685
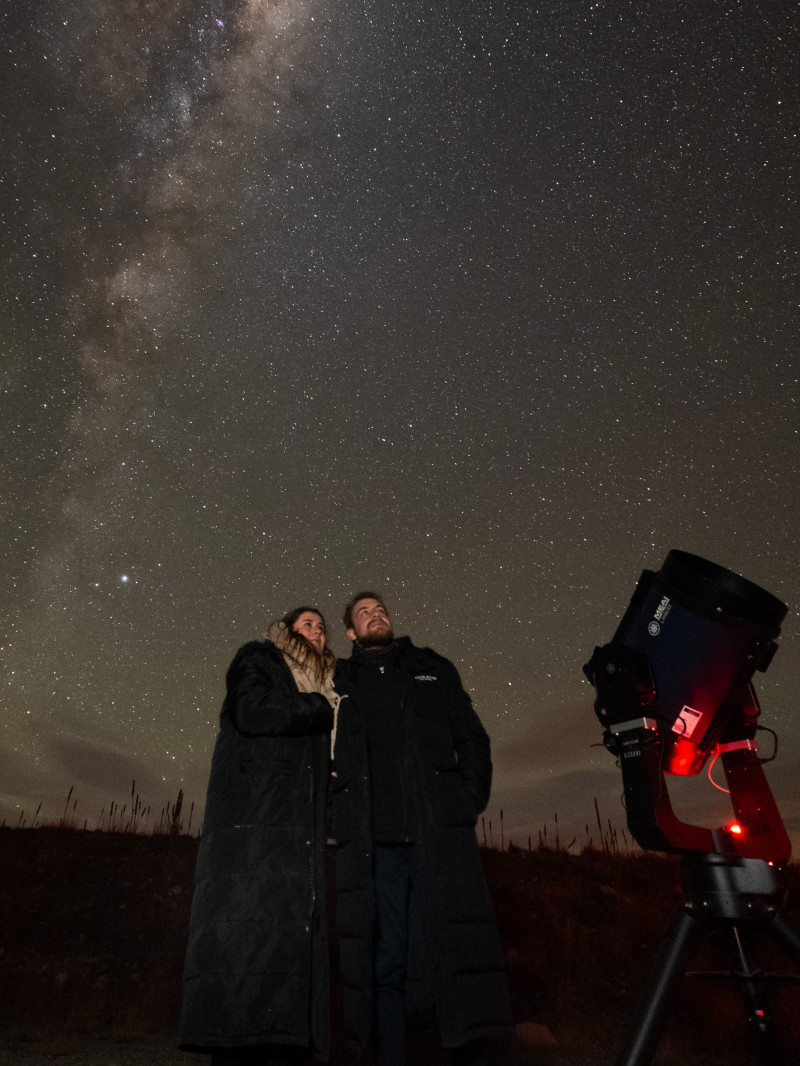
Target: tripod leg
682	938
754	994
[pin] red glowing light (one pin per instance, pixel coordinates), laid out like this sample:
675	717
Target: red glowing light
735	828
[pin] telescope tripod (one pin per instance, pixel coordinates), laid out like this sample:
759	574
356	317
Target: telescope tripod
735	895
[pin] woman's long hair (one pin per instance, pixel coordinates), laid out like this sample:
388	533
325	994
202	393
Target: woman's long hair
319	664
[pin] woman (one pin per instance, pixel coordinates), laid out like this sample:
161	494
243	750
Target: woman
256	974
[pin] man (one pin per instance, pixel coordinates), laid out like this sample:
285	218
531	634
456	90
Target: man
413	772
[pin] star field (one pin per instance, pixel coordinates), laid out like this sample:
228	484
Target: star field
485	305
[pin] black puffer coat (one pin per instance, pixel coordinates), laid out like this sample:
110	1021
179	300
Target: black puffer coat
460	971
257	961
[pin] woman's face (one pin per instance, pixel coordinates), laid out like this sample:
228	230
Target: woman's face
311	626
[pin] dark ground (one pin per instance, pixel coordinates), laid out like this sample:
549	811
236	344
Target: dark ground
159	1050
93	928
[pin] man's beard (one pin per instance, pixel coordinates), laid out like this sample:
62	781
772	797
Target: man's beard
380	640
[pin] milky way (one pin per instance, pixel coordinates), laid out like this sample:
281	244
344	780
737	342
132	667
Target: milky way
485	305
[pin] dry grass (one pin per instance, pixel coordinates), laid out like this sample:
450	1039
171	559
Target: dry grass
93	927
136	818
607	837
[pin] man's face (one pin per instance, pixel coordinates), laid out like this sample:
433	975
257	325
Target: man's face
371	625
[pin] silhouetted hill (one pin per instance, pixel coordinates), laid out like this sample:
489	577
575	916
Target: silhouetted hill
94	928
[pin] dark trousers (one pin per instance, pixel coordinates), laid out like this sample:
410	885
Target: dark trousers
398	928
392	871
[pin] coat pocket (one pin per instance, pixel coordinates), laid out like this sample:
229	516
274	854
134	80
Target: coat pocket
455	806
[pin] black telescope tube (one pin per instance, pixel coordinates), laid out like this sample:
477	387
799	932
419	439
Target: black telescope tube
714	589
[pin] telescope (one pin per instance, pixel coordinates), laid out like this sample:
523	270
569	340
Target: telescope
674	688
674	685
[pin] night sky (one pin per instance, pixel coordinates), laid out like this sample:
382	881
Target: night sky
483	305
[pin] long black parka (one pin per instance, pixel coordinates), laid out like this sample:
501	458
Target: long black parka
256	967
459	970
